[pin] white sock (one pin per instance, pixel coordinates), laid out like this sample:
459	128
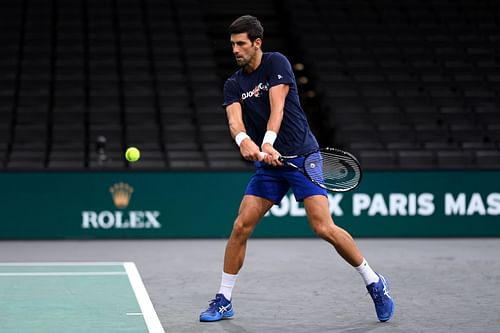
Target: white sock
227	284
367	273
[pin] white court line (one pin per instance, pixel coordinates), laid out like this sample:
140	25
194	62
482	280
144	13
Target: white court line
134	314
150	317
79	263
62	273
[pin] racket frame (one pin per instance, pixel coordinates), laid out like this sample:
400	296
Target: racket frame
285	161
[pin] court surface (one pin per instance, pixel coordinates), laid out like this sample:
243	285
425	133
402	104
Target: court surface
287	285
74	297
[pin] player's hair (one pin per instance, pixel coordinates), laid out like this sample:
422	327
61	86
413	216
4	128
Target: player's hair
249	24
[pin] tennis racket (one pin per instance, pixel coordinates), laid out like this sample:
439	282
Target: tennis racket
332	169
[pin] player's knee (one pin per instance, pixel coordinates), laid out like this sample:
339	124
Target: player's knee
242	228
325	231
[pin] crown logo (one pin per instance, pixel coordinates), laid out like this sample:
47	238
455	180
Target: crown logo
121	193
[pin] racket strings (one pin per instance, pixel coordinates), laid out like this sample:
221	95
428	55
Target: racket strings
337	171
341	171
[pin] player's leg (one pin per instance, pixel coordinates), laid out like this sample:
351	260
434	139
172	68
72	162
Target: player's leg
316	205
251	211
265	188
322	223
320	219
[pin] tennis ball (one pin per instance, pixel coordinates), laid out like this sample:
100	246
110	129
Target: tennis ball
132	154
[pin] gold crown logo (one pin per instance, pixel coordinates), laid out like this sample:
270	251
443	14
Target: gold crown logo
121	193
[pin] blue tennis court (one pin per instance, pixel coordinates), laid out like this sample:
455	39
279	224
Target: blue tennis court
75	297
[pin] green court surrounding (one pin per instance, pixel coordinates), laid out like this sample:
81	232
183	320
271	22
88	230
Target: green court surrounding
75	297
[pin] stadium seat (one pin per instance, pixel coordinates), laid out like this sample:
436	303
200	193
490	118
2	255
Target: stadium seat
454	159
404	85
416	159
377	159
488	159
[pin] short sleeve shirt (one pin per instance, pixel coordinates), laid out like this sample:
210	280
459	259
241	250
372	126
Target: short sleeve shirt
251	90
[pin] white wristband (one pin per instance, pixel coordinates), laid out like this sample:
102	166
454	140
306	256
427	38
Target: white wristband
240	137
269	137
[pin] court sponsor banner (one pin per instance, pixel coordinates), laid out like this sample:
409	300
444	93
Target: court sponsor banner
79	205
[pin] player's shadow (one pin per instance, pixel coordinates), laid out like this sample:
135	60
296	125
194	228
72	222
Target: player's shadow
231	327
361	327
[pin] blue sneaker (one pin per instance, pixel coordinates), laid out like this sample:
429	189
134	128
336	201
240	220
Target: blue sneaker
218	309
384	306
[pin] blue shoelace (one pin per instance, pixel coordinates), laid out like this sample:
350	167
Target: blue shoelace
213	304
377	298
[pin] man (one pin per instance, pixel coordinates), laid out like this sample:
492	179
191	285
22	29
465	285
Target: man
265	116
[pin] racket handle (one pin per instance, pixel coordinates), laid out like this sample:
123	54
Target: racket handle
263	154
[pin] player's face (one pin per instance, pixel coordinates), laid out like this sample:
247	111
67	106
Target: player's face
244	49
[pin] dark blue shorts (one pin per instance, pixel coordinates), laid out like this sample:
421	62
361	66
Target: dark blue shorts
273	183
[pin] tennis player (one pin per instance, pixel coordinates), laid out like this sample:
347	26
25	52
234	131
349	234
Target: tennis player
265	115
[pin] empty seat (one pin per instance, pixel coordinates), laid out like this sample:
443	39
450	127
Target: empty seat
377	159
431	132
66	164
187	164
488	159
214	133
220	145
454	159
181	145
416	159
109	164
5	132
478	145
148	165
346	115
191	155
25	164
487	115
179	133
359	146
421	114
231	159
403	145
384	115
456	116
466	132
223	154
229	164
356	133
440	145
396	132
493	132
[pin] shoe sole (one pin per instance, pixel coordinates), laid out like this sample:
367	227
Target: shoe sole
392	313
226	315
393	304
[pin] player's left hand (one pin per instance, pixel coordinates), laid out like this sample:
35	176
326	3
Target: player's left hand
272	155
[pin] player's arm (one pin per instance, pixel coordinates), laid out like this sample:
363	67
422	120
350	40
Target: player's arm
248	149
277	96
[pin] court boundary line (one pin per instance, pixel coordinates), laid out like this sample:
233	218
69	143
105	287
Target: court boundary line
150	316
63	274
63	263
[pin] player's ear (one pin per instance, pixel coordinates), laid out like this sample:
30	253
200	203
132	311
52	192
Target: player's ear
257	43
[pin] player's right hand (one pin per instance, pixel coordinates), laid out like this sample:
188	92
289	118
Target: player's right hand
271	155
249	150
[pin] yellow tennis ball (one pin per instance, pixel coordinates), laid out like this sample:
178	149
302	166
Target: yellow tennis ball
132	154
